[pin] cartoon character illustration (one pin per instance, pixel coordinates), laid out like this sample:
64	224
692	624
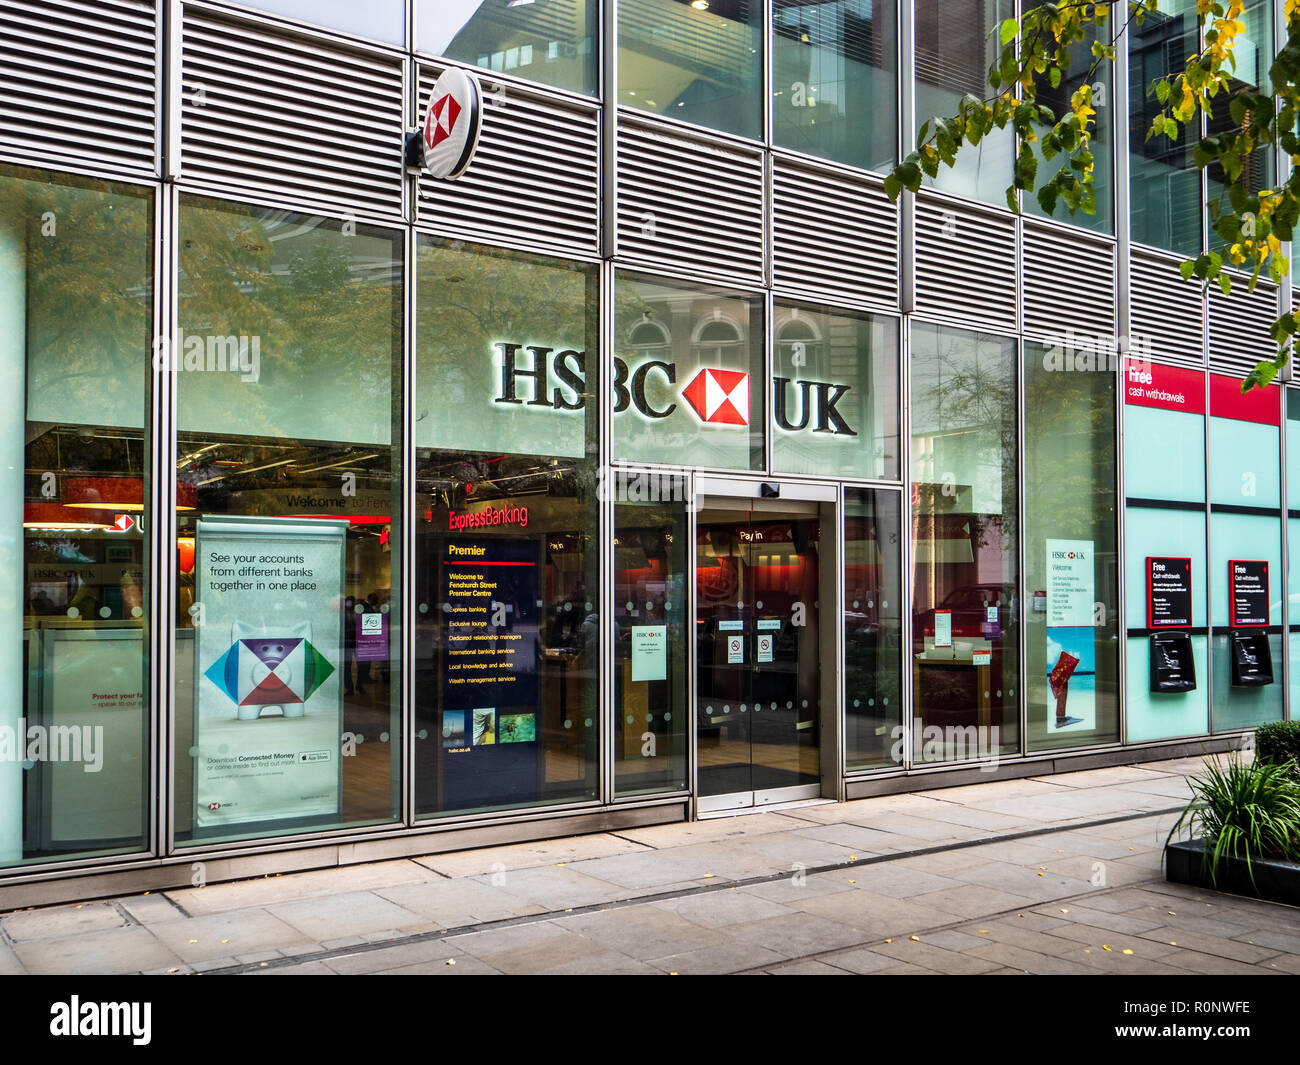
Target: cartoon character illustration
270	673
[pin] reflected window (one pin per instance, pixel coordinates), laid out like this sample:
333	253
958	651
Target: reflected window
954	51
699	61
835	81
1165	184
554	42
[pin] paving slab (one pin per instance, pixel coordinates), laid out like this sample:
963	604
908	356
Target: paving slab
231	933
350	913
56	922
111	952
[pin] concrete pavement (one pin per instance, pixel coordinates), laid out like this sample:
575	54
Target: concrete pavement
1057	874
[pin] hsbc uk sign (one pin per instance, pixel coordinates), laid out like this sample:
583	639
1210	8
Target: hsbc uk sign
721	397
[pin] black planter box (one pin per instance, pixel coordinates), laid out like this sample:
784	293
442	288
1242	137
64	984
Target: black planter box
1275	880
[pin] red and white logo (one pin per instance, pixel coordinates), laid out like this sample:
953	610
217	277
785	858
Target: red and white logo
451	127
720	397
123	522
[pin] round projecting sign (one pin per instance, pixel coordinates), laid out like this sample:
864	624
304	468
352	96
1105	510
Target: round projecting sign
451	127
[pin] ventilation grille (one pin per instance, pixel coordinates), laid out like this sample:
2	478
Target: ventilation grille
1069	283
535	178
297	119
965	264
1239	327
1166	311
80	81
833	237
687	204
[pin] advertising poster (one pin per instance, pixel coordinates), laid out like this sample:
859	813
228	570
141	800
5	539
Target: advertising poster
268	705
1169	593
1248	601
1071	652
489	675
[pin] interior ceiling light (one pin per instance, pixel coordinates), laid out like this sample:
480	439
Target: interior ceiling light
700	5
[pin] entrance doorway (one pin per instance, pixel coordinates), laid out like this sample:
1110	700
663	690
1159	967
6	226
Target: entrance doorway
759	573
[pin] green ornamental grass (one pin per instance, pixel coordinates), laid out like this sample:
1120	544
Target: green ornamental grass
1243	810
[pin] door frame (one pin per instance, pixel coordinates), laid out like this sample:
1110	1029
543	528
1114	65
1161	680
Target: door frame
756	493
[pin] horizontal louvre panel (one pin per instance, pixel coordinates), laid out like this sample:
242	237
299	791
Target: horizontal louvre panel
1166	311
300	120
965	264
80	80
685	204
833	237
1239	336
535	178
1069	283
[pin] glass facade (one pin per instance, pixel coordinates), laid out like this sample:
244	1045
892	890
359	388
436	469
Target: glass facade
346	517
288	610
834	80
966	604
693	60
555	42
76	280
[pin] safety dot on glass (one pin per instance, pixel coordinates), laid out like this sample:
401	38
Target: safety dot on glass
726	708
423	734
383	737
568	724
871	702
105	612
999	693
816	604
539	602
789	706
857	703
360	738
446	608
136	611
708	710
587	606
568	607
743	708
424	608
805	703
587	722
884	702
630	607
774	706
884	605
359	608
740	605
855	604
870	604
73	612
649	719
668	717
667	605
193	752
629	719
986	695
759	604
383	608
1011	693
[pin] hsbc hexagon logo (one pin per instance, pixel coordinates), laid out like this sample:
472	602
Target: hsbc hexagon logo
452	124
719	397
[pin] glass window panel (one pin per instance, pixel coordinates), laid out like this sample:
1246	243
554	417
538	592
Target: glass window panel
696	60
76	299
835	392
1165	185
965	609
507	565
689	375
287	674
1253	52
873	629
650	679
1083	68
384	20
953	54
1071	561
555	42
835	80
